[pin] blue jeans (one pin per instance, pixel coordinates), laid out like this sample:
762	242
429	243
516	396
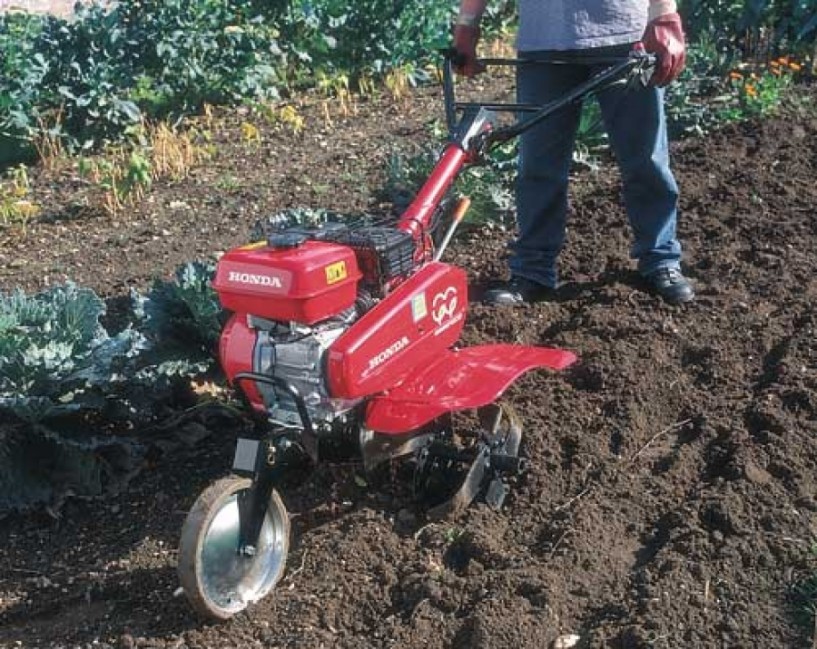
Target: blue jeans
636	126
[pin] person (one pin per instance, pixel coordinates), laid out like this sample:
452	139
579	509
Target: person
583	32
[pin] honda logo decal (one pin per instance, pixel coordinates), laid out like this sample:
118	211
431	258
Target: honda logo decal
444	305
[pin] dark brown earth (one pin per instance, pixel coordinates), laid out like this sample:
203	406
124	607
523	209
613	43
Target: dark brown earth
671	496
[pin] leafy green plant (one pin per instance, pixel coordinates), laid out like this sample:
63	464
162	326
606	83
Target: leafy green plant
105	68
89	79
55	356
755	27
591	138
22	68
695	103
716	87
489	186
66	383
306	216
371	35
213	51
182	318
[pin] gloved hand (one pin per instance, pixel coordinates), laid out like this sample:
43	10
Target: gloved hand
465	43
664	37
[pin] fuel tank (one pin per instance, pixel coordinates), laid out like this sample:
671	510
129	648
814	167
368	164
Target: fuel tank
417	321
297	280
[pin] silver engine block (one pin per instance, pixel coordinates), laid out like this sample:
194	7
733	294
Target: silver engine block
295	353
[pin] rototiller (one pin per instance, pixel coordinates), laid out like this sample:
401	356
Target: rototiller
348	331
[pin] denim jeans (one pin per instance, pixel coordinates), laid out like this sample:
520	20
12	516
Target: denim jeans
636	126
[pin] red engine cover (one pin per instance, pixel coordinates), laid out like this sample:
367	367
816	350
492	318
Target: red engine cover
306	284
235	349
416	322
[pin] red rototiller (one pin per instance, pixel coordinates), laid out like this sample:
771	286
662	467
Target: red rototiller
348	331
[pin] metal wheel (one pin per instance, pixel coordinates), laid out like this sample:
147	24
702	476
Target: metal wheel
218	581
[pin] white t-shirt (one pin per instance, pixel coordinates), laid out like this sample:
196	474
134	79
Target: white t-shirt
579	24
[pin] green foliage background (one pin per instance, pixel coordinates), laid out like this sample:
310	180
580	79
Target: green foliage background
94	76
89	79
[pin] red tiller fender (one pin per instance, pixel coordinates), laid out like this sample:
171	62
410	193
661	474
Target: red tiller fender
458	380
407	330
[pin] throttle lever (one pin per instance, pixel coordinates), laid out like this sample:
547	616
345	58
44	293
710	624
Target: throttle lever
645	66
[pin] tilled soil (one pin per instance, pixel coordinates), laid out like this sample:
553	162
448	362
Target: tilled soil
670	500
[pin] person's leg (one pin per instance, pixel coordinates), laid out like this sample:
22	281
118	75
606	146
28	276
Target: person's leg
545	155
635	122
638	134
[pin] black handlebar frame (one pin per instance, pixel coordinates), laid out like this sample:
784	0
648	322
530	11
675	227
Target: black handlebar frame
633	70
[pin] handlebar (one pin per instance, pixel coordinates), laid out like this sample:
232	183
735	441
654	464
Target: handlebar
634	69
476	132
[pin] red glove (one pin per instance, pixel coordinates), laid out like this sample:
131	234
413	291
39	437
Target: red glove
664	37
465	43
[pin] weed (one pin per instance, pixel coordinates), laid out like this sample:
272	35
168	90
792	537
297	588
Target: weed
501	48
228	183
250	134
48	142
123	177
16	207
366	85
336	87
399	81
286	116
290	116
207	115
172	152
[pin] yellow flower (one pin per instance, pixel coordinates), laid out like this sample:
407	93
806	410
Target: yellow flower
750	90
795	66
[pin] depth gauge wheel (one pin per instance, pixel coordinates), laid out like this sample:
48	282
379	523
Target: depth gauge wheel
217	580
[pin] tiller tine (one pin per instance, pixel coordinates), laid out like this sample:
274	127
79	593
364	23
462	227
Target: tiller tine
377	449
490	459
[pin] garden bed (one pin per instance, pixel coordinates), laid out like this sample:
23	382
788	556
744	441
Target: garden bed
671	496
